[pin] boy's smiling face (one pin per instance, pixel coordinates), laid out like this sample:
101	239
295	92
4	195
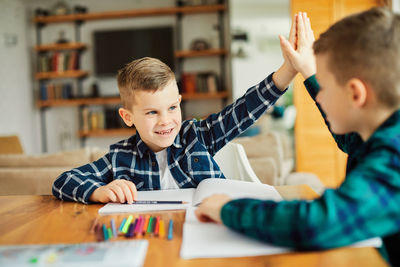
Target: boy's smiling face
156	116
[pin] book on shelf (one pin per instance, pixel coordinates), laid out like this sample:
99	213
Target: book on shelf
54	91
100	119
200	82
58	61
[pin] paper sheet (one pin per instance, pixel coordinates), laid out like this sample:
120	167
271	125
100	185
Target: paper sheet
101	254
210	240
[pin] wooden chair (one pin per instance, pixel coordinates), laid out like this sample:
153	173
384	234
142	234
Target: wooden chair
10	145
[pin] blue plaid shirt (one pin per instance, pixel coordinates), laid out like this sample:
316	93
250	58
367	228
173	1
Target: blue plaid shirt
190	157
366	205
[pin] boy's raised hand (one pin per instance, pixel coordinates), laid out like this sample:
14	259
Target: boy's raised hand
121	190
301	55
210	208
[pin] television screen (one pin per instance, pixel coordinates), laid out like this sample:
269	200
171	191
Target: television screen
115	48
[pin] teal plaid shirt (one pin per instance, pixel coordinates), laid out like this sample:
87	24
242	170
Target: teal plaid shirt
366	205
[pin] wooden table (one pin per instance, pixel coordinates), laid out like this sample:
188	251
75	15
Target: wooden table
44	220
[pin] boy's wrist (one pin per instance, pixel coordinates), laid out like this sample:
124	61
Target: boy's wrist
284	76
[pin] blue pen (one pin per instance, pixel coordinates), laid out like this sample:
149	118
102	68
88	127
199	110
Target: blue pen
114	230
122	225
170	229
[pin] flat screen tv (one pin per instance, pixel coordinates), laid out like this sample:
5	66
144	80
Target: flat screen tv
115	48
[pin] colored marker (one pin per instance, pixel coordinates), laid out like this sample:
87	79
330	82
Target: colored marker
99	233
92	228
138	228
105	233
132	226
109	232
122	225
150	226
161	231
113	228
126	225
146	223
170	229
157	226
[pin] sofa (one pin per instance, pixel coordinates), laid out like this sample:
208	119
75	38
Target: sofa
22	174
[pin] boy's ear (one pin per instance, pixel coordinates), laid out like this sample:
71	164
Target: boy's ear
126	115
358	92
180	99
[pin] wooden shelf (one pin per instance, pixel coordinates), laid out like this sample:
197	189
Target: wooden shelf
205	96
204	53
58	75
107	132
130	13
78	102
56	47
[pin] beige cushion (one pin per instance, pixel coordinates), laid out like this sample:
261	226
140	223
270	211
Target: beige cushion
29	180
71	159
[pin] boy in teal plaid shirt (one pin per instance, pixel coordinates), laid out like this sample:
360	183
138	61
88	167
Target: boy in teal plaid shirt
358	94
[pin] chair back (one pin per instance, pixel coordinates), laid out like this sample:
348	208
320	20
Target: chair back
234	163
10	145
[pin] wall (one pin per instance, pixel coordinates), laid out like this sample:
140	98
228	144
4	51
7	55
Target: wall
17	113
16	71
263	21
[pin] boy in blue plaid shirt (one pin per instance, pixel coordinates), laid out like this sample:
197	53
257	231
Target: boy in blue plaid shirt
358	94
165	153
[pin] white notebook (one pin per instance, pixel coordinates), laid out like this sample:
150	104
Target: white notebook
193	196
211	240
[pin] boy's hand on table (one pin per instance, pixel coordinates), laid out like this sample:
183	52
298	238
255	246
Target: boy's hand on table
210	208
301	57
121	190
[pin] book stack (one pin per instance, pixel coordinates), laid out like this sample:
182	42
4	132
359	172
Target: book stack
99	119
200	82
52	91
58	61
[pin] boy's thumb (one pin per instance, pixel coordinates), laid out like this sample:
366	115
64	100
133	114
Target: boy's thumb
285	45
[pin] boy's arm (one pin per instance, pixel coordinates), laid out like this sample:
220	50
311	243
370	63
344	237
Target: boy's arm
78	184
220	128
365	206
345	142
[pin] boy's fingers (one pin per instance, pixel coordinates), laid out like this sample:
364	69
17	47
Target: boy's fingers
309	30
132	188
286	46
300	28
127	192
292	34
110	195
119	193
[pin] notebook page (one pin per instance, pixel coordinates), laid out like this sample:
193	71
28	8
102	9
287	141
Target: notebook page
174	194
211	240
235	189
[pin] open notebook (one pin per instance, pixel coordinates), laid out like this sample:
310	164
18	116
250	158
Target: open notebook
193	196
211	240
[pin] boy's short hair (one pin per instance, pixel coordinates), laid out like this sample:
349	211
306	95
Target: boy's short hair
142	74
366	46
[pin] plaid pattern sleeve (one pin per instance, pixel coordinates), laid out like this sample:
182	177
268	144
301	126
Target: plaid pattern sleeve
346	142
364	206
78	184
220	128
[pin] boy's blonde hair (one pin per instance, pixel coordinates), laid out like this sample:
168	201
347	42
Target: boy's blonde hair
142	74
366	46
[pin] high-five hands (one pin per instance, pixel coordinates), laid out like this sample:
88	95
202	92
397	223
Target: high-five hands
299	53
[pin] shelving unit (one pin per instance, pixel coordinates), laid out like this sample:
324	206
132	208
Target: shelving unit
180	55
